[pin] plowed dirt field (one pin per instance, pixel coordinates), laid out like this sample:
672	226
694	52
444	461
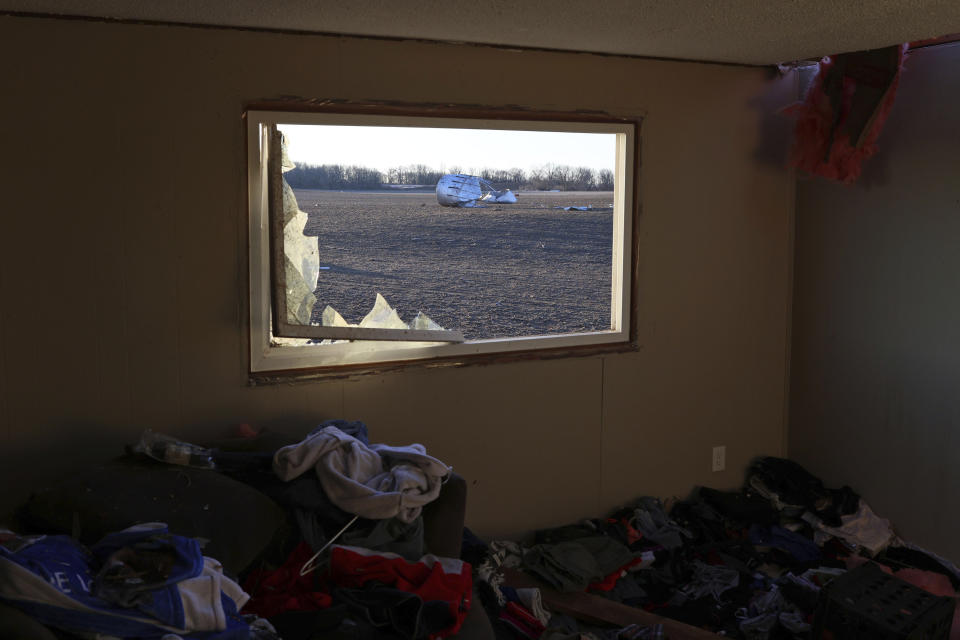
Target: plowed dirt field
505	270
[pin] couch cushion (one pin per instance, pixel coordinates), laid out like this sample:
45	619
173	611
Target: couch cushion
238	521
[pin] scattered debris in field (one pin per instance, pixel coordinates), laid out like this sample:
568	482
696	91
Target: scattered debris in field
462	190
507	197
610	208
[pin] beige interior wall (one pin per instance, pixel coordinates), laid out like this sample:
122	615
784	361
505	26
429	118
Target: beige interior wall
876	360
122	271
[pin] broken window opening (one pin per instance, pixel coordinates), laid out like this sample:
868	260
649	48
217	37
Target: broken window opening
457	251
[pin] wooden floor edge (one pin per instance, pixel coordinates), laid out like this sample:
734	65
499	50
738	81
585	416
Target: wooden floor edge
598	610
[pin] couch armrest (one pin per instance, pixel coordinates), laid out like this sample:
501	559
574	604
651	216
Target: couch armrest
444	517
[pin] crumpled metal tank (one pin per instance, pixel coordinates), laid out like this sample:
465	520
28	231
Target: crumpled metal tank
458	189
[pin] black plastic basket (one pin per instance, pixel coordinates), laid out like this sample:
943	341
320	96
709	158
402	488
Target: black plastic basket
868	604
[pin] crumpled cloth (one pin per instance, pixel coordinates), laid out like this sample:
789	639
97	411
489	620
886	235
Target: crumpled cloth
372	481
801	548
758	620
651	520
864	528
573	565
710	580
533	601
501	553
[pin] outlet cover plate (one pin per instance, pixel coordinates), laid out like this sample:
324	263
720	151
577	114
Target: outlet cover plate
719	458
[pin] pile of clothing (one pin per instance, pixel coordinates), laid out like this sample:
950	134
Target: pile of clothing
359	568
350	563
743	564
139	582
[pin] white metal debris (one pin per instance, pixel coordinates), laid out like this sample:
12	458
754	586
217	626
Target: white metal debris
505	197
462	190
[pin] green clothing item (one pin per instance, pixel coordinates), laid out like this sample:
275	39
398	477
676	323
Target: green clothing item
572	565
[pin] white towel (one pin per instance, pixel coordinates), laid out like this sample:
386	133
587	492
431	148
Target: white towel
375	481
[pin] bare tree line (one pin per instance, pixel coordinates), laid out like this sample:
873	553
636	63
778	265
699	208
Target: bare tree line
545	178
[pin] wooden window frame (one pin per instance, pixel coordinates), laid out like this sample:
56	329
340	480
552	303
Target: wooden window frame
267	358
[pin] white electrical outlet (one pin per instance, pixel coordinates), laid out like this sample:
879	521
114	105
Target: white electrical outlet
719	458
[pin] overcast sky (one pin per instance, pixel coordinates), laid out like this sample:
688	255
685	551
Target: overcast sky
469	149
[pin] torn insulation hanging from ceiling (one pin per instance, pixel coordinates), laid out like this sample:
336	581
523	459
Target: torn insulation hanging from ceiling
840	120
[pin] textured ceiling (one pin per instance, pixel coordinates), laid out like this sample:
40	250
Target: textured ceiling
740	31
